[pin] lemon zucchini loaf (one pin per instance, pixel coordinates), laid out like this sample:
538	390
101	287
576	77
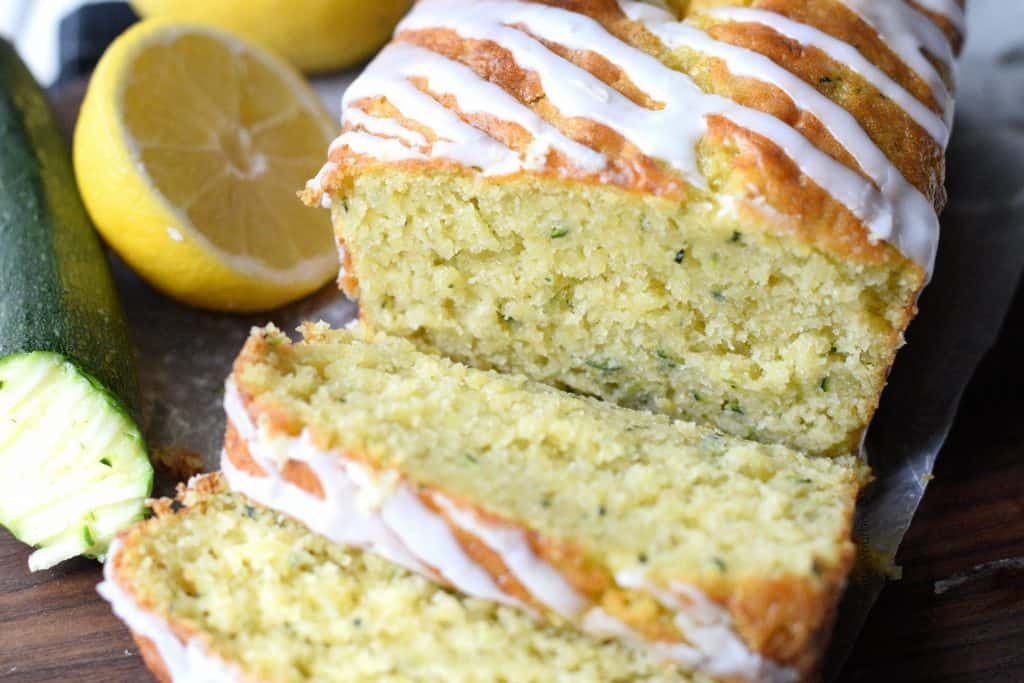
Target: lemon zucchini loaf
724	215
722	555
224	591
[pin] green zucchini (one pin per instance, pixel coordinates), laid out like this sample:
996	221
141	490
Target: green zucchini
73	464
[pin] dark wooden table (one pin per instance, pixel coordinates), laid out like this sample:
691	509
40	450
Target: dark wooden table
957	614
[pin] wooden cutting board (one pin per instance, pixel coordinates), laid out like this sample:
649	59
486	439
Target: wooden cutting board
54	627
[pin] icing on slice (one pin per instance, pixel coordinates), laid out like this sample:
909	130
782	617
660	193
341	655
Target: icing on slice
950	9
909	34
388	128
907	199
671	132
457	140
843	53
389	76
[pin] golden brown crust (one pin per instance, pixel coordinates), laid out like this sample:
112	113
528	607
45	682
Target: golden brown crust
952	33
789	619
810	215
300	474
154	662
188	500
911	149
801	209
628	168
785	619
596	584
237	452
257	347
483	556
294	471
347	281
839	21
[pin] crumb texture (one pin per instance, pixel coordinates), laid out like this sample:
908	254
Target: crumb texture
684	308
634	490
289	607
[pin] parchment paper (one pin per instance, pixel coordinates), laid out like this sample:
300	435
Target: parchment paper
184	354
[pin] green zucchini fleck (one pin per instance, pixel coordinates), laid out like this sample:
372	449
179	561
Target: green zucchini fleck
732	405
674	361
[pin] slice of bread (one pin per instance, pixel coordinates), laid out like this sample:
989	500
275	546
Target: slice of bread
726	217
221	590
723	555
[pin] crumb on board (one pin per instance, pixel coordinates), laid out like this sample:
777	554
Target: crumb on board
179	463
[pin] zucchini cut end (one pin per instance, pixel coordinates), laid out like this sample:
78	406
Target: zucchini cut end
73	464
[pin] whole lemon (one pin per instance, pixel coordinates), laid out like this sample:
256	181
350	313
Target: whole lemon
314	35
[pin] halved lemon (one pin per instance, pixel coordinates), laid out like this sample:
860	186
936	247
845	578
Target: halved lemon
314	35
189	149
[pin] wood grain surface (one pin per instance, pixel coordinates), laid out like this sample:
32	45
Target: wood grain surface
956	616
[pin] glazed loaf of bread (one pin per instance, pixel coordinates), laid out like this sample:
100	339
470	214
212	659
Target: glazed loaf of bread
721	555
222	590
719	210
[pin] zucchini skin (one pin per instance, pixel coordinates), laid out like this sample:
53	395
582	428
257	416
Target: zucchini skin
56	290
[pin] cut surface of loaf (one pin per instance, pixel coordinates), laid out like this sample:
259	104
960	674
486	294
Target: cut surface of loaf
726	218
722	555
225	591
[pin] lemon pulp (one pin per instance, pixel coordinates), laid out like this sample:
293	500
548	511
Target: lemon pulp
190	148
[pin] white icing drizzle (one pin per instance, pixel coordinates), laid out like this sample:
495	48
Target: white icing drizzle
909	34
388	128
427	535
708	627
185	662
844	53
542	580
385	149
334	516
600	623
389	76
741	662
396	524
401	531
315	184
950	9
457	140
906	199
341	262
358	508
669	133
895	212
638	10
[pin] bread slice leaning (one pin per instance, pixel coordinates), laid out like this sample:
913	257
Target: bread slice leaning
722	555
216	588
